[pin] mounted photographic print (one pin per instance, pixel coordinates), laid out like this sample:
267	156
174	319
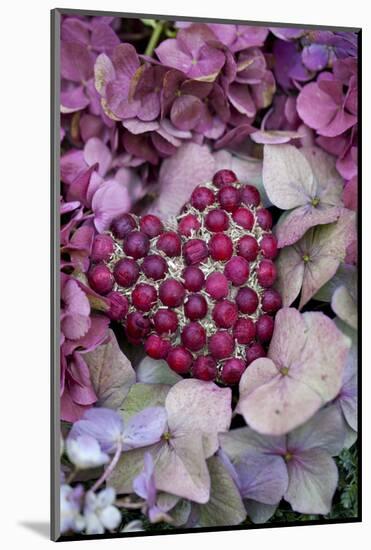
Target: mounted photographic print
205	178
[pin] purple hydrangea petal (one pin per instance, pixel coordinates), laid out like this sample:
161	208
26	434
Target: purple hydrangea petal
144	428
104	425
313	480
76	62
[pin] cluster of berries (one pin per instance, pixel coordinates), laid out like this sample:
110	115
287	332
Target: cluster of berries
196	291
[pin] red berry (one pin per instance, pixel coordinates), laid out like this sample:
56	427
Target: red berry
220	247
204	368
229	198
144	296
247	300
165	321
195	307
136	244
151	225
154	267
268	246
244	218
232	371
137	326
217	285
179	360
223	177
237	270
193	278
103	247
101	279
248	248
193	336
255	351
267	273
217	220
250	195
225	314
202	197
271	301
195	251
157	347
118	306
221	345
188	224
244	331
264	218
171	293
170	244
126	272
264	328
122	225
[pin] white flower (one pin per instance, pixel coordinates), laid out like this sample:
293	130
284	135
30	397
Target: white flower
99	512
71	517
84	452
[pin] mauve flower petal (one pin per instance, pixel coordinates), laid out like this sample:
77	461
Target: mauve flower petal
72	164
290	273
239	96
118	101
125	60
313	479
151	106
103	37
104	425
75	322
287	176
78	189
262	478
136	126
209	63
171	55
191	165
144	428
95	151
77	62
259	512
271	137
324	430
92	126
75	30
104	72
315	57
316	107
109	201
185	112
73	100
302	344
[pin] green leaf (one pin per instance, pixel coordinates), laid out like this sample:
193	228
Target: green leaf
142	396
225	506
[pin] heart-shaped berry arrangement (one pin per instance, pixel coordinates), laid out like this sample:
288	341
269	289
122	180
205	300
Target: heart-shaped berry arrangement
196	291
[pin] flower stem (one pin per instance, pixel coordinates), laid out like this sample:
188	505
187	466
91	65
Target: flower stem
108	471
155	36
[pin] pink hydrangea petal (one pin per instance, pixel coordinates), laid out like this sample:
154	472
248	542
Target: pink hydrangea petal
315	107
103	37
185	112
262	478
171	55
75	30
95	151
72	164
125	60
290	269
303	371
109	201
73	100
345	306
78	190
239	96
200	406
136	126
191	165
297	222
274	136
104	72
76	62
287	176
